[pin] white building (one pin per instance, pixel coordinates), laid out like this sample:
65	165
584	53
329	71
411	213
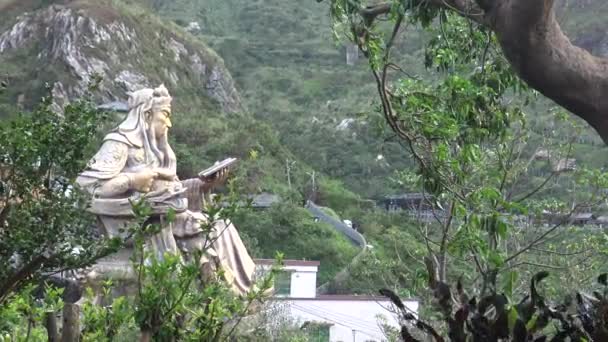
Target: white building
344	318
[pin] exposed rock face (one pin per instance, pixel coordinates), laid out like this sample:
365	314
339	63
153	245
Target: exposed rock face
131	81
59	96
345	124
217	86
178	49
118	50
193	27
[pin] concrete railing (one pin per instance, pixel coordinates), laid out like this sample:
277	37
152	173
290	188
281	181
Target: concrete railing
356	238
340	226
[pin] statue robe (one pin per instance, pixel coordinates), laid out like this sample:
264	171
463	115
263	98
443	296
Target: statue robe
118	156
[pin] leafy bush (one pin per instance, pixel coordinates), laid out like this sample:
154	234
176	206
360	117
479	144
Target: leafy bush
495	317
43	223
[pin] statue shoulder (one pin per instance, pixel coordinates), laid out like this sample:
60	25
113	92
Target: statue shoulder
111	158
113	147
114	144
117	138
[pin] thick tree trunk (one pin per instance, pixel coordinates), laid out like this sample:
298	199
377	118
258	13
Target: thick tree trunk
539	52
51	327
544	57
146	335
71	323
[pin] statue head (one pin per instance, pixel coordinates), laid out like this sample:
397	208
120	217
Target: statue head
158	117
150	107
148	121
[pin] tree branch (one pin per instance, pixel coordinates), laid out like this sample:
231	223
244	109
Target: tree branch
544	57
539	238
467	8
22	274
539	52
370	13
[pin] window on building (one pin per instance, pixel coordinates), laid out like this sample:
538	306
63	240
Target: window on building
282	283
317	332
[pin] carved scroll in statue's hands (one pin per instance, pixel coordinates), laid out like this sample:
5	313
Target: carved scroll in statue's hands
217	174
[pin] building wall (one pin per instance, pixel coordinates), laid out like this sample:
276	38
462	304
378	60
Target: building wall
346	316
303	279
303	283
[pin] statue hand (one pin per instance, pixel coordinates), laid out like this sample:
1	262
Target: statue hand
165	174
142	181
218	178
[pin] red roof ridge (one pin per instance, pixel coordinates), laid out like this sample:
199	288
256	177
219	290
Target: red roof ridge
287	262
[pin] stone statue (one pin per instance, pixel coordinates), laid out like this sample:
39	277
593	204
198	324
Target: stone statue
136	161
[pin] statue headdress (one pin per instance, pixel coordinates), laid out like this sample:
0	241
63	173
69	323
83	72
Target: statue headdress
150	98
133	129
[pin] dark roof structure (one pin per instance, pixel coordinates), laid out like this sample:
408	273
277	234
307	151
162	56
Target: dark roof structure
116	106
264	200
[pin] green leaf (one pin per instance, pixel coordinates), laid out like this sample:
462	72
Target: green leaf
171	215
496	259
513	315
501	228
532	322
510	281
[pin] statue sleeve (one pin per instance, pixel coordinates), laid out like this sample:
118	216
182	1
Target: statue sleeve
195	194
103	176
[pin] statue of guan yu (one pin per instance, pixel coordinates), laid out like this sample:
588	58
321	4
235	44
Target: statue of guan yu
136	162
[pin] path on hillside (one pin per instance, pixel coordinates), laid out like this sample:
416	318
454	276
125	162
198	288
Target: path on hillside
354	236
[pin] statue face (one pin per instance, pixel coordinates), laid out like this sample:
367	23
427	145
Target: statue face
161	121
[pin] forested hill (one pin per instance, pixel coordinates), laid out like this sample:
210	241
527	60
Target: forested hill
58	46
293	75
263	80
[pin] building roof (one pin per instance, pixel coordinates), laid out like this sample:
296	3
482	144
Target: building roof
264	200
117	106
582	216
565	164
407	196
287	262
360	298
602	219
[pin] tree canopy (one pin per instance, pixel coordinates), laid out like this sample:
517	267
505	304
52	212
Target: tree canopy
531	39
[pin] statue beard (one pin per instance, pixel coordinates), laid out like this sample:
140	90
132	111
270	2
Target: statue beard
159	145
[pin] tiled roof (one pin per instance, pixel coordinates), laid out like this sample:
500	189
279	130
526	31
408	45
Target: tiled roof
287	262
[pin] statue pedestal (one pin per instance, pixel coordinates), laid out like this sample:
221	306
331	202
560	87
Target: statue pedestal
116	267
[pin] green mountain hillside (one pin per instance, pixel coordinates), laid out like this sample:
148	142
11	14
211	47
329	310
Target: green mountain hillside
57	47
265	81
293	75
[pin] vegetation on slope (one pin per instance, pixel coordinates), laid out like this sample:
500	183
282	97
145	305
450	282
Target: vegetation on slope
294	80
294	76
205	129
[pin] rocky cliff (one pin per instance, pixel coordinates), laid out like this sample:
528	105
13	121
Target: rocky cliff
62	45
